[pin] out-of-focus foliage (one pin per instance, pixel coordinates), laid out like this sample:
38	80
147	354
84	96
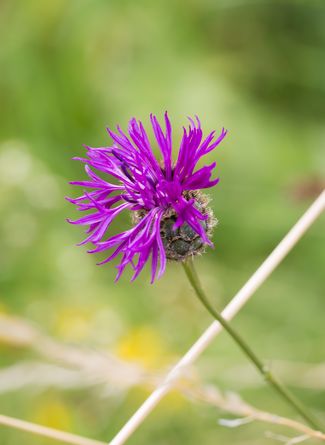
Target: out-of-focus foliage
71	68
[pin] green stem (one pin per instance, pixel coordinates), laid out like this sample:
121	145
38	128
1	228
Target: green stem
264	370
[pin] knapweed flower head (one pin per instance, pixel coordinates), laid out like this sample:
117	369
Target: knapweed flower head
170	217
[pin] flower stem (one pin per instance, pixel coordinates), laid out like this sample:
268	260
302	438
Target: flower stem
264	370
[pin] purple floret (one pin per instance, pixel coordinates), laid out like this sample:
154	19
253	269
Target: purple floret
147	186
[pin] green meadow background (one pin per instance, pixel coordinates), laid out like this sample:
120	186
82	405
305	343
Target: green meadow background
69	69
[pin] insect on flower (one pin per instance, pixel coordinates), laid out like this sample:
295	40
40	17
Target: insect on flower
171	219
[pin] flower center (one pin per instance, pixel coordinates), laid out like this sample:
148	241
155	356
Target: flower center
183	242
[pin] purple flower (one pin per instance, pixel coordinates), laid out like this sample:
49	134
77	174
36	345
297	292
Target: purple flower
170	216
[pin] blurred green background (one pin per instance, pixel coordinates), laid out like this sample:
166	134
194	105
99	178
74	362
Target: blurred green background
68	70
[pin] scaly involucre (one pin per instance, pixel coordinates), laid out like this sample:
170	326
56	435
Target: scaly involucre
144	185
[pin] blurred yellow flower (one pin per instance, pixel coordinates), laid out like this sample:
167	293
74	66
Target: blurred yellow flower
174	401
144	345
53	413
73	324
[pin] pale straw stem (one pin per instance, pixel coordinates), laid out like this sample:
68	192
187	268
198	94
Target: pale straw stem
45	431
233	404
255	281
